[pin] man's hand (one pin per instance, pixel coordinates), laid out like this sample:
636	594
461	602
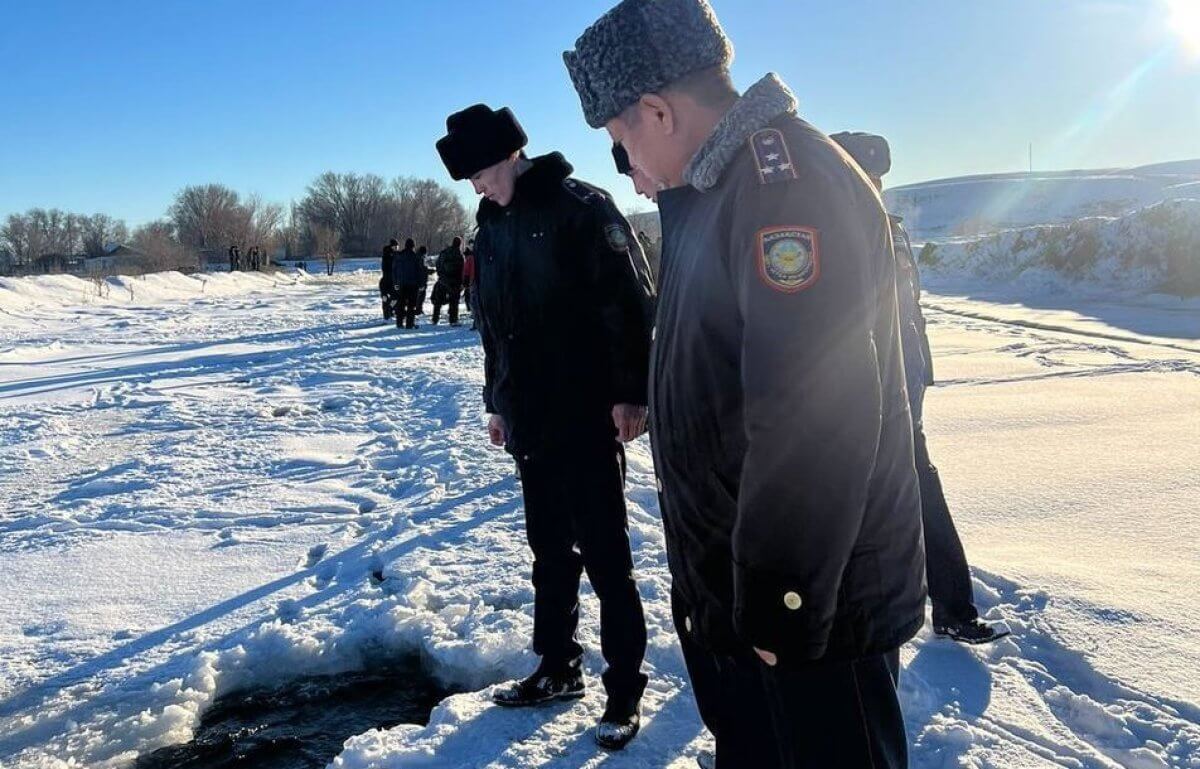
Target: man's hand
630	421
766	656
497	430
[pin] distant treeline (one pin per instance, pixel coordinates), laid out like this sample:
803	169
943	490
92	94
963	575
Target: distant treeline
339	215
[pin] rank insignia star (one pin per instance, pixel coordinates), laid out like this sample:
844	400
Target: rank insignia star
772	157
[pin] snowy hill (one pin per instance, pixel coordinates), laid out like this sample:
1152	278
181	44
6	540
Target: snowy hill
1156	248
972	205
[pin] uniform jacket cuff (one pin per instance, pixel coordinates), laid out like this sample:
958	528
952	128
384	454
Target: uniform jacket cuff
772	612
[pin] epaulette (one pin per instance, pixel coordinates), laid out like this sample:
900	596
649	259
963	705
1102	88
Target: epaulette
584	191
772	157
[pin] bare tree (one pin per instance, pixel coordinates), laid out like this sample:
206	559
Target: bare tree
207	216
163	251
99	230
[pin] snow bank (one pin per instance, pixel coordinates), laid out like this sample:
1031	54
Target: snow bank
1156	248
37	291
977	205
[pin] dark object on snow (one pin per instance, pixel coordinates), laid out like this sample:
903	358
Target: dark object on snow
870	151
639	47
479	137
408	277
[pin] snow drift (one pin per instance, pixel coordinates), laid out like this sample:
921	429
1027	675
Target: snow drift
1156	248
975	205
36	291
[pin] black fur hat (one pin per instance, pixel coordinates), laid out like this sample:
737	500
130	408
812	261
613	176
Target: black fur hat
478	137
871	152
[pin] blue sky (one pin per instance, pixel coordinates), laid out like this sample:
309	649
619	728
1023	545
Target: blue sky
112	107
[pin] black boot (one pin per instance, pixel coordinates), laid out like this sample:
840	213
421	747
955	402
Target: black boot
547	684
974	631
617	728
622	716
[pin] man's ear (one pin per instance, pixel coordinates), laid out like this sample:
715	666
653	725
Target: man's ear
658	110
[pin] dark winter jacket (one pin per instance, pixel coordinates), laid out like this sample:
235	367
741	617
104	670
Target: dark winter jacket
565	304
918	360
450	266
779	420
386	262
408	269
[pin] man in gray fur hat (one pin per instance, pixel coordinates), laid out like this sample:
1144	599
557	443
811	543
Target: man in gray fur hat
778	414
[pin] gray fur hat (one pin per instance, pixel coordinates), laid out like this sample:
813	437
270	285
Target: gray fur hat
639	47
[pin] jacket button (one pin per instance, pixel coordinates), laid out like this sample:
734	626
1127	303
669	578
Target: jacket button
687	624
791	599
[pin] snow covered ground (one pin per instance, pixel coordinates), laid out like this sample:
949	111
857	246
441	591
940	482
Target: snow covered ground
207	490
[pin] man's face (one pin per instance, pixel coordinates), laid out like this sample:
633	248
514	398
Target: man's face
497	182
653	147
643	184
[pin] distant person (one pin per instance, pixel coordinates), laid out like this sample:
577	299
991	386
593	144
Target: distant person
947	572
330	261
235	258
469	280
426	260
450	266
408	276
387	288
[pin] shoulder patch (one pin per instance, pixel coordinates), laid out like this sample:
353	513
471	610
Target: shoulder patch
583	191
772	157
789	258
617	237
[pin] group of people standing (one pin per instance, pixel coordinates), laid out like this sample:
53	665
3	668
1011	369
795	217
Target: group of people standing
782	392
405	281
253	260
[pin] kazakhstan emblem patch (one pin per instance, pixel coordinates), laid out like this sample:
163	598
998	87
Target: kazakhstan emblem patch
789	258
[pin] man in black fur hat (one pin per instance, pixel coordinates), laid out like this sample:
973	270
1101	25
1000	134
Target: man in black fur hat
564	304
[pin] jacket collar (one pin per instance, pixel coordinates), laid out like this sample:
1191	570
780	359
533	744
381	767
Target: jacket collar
763	102
541	180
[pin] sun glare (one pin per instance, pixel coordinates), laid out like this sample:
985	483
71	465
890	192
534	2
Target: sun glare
1185	22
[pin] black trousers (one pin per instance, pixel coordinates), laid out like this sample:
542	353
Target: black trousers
406	311
575	519
946	568
387	296
828	715
450	294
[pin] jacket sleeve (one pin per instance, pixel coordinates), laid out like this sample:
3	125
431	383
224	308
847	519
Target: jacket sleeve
624	294
805	275
489	354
